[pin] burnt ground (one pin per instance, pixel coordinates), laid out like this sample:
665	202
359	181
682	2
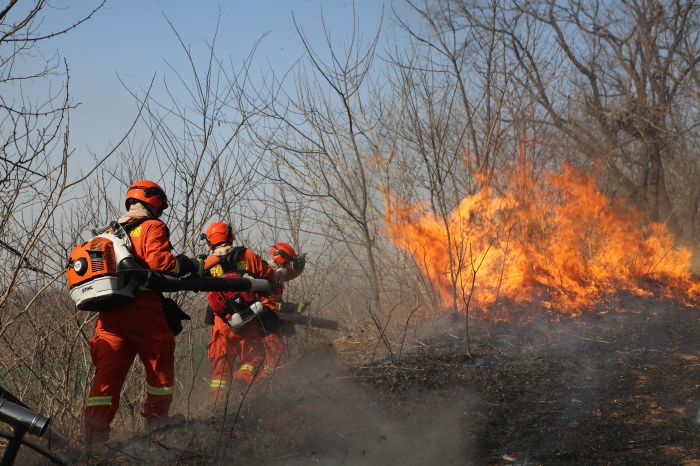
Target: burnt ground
610	388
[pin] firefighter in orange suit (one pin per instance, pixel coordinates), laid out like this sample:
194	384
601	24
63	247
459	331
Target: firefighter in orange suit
227	345
139	327
283	258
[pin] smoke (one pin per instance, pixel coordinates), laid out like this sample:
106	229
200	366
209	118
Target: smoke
330	418
534	387
314	411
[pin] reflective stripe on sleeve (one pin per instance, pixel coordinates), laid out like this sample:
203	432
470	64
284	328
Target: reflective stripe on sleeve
247	367
164	391
99	401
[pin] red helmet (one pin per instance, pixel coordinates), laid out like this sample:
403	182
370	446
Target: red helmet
147	192
283	253
217	233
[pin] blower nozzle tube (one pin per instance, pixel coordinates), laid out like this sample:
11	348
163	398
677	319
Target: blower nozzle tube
166	283
22	417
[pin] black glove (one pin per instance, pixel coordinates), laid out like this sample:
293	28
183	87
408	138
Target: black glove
190	266
303	307
299	262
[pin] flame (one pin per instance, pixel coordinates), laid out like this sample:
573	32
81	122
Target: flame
558	241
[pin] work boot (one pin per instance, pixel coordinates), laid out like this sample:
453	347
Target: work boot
243	377
264	376
155	424
95	440
97	449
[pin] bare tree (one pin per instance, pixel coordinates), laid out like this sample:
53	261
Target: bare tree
44	358
461	126
320	142
623	70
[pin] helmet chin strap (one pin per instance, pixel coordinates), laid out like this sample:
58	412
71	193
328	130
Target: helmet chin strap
153	211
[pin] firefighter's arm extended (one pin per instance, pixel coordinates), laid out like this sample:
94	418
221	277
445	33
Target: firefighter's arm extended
288	307
296	267
157	251
261	269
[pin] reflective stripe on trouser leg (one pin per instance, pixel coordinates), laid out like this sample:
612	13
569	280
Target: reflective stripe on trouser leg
99	401
247	367
98	415
216	384
218	389
158	357
112	356
160	390
158	400
245	373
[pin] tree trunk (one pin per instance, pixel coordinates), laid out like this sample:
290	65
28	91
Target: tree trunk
653	180
374	277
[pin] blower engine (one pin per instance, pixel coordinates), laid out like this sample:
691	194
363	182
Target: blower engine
98	270
239	319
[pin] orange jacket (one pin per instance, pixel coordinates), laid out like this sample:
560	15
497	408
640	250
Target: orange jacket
249	261
151	246
292	274
278	291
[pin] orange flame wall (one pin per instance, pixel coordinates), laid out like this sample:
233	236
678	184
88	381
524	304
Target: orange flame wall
558	240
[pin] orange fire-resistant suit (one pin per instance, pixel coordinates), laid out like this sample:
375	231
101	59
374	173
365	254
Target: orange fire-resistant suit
245	344
137	328
273	342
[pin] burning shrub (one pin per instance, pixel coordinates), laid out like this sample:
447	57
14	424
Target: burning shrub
556	233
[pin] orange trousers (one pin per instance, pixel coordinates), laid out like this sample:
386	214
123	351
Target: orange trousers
274	347
138	328
225	347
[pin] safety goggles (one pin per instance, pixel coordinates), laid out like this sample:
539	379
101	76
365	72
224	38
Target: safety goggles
283	255
153	192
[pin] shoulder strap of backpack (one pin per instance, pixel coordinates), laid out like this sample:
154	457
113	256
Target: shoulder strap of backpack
229	262
235	254
232	260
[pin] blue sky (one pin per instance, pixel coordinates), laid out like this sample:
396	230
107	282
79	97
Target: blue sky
132	40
